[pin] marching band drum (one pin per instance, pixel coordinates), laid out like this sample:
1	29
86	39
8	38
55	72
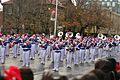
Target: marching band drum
78	50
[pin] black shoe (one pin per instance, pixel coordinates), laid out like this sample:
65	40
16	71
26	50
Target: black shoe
76	64
14	57
21	60
32	59
18	54
7	55
69	67
3	63
56	70
43	63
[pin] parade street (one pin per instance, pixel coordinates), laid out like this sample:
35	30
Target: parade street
38	68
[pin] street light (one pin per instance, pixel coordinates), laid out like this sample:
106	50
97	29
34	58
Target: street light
55	24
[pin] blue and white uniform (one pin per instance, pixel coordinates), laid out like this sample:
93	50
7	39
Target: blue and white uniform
82	52
57	52
87	52
3	47
33	46
26	54
43	52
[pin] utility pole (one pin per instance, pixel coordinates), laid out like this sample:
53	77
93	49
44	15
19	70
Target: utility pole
55	25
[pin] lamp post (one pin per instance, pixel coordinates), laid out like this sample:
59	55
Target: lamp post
55	24
110	8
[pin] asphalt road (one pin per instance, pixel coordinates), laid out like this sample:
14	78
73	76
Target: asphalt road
38	68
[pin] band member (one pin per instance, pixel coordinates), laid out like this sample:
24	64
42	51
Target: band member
82	52
69	49
87	52
26	53
57	52
3	47
15	47
100	49
32	54
76	53
43	51
20	50
92	48
62	50
7	48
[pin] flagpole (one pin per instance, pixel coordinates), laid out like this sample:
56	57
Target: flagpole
55	24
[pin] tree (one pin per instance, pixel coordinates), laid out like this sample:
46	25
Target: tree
86	15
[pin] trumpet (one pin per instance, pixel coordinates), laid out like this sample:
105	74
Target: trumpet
116	37
69	34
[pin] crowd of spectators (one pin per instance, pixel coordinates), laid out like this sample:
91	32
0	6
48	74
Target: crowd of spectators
104	69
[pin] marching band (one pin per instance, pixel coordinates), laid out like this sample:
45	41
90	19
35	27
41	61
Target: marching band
78	50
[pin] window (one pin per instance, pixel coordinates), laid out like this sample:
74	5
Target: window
113	4
108	3
1	7
103	3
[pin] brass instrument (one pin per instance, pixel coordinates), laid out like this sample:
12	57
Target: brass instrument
60	34
116	37
78	35
69	34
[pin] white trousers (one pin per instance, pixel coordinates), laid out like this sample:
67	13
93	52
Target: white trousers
43	55
76	57
69	58
100	51
48	51
7	49
32	55
15	50
39	52
93	54
82	54
21	53
62	54
26	58
56	60
2	54
87	55
52	55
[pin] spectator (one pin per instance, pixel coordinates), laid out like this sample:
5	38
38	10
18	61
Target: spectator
108	67
63	78
47	76
93	75
114	71
2	78
26	74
